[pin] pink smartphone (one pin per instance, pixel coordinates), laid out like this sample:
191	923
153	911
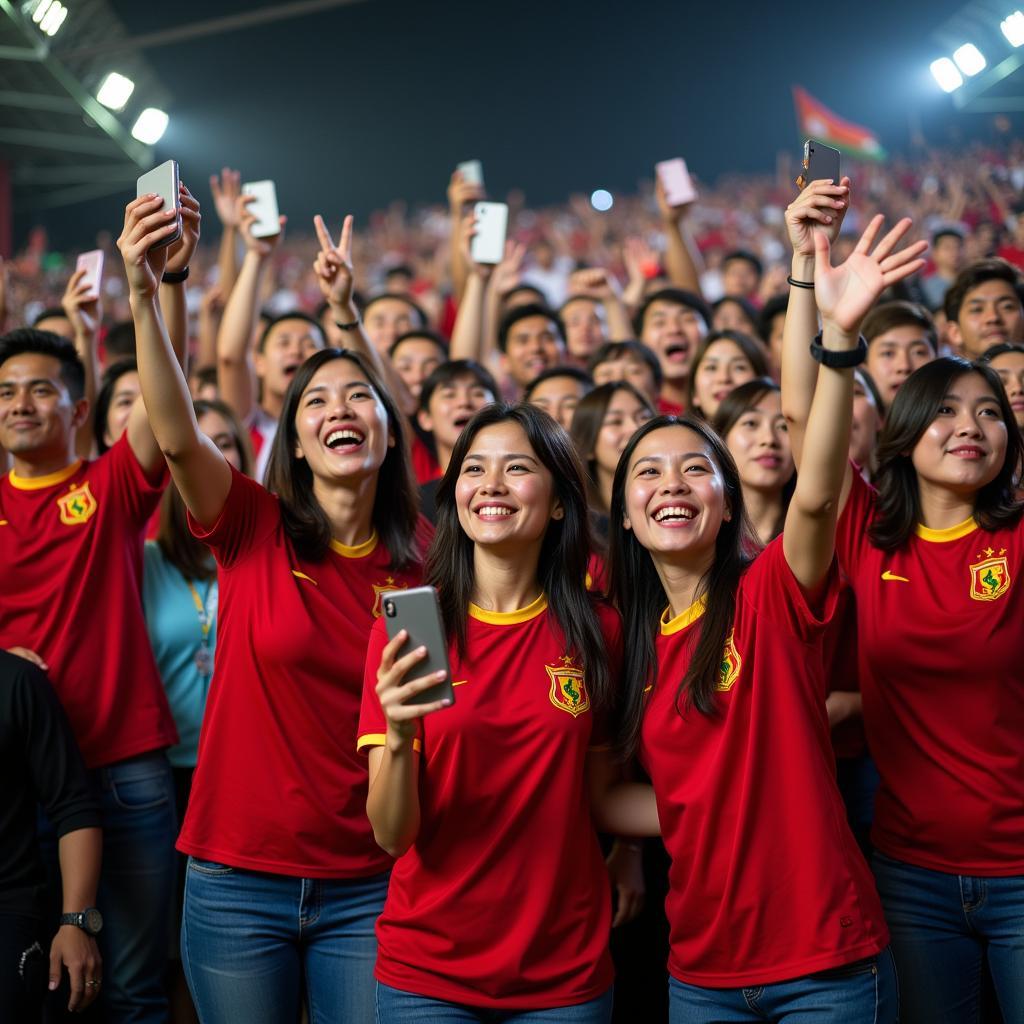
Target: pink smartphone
675	180
92	263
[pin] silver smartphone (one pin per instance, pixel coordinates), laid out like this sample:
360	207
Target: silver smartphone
418	612
92	263
163	180
472	172
268	221
676	181
488	245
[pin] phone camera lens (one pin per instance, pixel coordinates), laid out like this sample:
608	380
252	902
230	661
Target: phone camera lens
389	609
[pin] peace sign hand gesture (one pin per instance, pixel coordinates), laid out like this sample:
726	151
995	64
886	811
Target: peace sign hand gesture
333	264
844	294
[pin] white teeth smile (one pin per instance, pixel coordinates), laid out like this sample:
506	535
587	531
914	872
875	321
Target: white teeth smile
337	438
494	510
673	513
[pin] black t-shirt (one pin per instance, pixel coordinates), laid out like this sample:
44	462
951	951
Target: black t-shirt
39	764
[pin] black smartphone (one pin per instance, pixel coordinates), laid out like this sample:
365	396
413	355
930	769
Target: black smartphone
418	613
821	162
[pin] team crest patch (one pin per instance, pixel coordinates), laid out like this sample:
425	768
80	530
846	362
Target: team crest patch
382	588
568	687
990	578
729	670
77	506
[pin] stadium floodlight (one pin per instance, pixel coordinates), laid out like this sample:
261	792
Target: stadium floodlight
49	15
150	126
945	73
1013	28
115	90
969	59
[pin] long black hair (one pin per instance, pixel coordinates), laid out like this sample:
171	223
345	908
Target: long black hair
396	500
565	550
898	509
105	396
638	593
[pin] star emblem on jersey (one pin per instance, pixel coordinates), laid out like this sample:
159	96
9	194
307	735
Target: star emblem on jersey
78	506
990	578
382	588
568	687
729	670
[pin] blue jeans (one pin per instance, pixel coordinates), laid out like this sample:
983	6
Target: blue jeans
251	941
861	993
397	1007
136	890
943	928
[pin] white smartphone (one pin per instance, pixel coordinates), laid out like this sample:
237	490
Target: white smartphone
675	180
163	180
472	172
488	245
268	221
92	263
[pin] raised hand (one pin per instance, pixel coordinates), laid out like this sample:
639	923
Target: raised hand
467	230
333	264
81	306
508	274
181	252
145	224
595	282
846	293
262	247
393	689
821	206
461	192
226	191
668	212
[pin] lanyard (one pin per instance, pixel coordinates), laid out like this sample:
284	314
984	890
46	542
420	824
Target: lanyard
205	616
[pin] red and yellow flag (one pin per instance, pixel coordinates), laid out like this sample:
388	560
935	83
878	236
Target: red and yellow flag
818	122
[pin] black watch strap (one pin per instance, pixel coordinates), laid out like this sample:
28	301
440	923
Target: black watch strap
174	276
839	360
89	920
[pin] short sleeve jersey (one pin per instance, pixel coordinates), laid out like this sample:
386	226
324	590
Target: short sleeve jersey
279	786
71	551
766	882
503	899
941	628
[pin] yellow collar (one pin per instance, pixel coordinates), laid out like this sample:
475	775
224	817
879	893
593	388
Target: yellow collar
37	483
684	618
531	611
355	550
969	525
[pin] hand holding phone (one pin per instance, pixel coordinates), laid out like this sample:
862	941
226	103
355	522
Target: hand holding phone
472	172
92	263
164	182
264	206
821	162
676	182
488	244
417	612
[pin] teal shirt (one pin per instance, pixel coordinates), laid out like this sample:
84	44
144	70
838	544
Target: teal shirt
176	637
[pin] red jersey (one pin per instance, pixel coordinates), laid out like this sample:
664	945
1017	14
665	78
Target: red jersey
425	466
667	408
503	900
71	548
840	652
941	629
278	786
767	883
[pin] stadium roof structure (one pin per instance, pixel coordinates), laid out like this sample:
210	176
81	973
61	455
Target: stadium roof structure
61	144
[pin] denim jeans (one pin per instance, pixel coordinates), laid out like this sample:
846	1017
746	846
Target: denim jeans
136	890
943	928
251	941
862	993
397	1007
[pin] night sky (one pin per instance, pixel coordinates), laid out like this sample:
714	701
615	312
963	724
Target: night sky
349	109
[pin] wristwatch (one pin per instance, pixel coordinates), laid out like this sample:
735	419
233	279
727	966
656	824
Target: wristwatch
89	920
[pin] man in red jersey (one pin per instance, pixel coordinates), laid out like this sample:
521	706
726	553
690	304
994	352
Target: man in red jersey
71	535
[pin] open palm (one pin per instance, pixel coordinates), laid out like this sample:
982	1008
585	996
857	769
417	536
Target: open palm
846	293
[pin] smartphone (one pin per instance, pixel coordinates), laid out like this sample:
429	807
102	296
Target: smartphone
163	180
92	263
417	612
472	172
268	221
488	245
675	180
821	162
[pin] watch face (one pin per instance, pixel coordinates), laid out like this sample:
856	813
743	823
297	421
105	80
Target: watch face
93	920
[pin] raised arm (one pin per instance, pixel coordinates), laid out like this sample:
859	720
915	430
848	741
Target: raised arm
599	284
199	470
844	296
226	189
506	276
393	802
172	293
460	194
85	311
236	376
683	263
821	206
468	332
335	275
